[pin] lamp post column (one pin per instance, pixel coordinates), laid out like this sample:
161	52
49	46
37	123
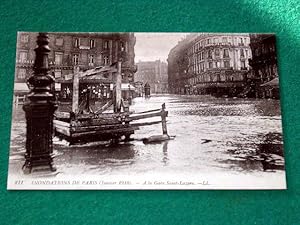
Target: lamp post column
39	111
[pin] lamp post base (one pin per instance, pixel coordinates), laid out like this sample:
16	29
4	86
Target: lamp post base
38	164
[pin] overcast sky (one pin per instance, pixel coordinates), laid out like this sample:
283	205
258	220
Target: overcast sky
153	46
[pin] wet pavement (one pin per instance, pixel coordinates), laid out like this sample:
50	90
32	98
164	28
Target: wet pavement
212	135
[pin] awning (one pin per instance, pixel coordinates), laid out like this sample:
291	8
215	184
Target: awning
272	83
21	87
225	84
124	87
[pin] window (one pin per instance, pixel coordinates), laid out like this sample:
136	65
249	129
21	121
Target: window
21	73
224	39
242	53
226	64
75	59
208	41
226	53
58	58
122	46
243	64
91	59
24	38
92	43
57	73
217	64
202	66
241	40
105	45
210	65
217	52
105	60
246	52
209	54
23	56
77	42
59	41
216	40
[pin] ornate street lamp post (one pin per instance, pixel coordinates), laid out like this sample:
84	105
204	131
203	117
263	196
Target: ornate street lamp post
39	112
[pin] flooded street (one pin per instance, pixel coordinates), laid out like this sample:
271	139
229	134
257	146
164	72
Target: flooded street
212	136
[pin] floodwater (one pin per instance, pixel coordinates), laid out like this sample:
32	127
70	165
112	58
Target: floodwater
212	135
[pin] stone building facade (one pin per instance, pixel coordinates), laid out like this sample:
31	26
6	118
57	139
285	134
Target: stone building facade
178	65
210	63
85	50
264	65
155	73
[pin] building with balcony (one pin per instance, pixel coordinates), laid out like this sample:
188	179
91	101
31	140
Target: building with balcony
264	65
85	50
210	64
155	73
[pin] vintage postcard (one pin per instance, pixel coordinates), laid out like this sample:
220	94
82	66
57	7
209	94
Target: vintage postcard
146	111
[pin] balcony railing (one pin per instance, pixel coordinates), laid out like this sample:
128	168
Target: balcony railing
25	61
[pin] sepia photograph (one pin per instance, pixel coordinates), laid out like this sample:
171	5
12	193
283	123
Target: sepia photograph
98	111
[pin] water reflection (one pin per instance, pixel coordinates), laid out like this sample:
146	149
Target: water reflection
165	158
267	155
212	135
95	158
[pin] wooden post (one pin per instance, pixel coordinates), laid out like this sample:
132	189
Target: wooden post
118	90
17	100
164	114
75	99
39	111
87	101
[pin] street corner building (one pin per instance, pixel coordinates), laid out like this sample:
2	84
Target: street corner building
223	65
69	50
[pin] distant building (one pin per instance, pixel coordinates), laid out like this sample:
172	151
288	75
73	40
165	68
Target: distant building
155	73
210	64
178	65
264	65
86	50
